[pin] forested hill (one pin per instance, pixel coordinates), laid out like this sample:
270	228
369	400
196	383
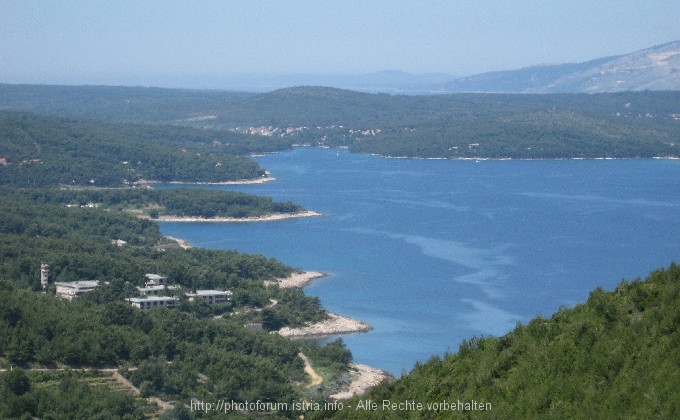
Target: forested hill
615	356
195	351
115	103
618	125
625	125
37	150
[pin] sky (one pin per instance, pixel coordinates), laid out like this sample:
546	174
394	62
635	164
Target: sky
197	43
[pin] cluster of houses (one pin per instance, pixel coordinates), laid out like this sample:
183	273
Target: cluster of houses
155	292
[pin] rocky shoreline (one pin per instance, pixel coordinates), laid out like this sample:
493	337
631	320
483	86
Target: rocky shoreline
334	325
184	244
363	378
300	279
237	182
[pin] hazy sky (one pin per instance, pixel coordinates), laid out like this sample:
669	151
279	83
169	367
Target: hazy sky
180	43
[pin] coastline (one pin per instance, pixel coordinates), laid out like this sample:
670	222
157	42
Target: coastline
250	181
363	377
184	244
266	218
335	325
479	159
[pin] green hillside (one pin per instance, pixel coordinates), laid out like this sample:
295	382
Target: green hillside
116	103
615	356
48	151
617	125
196	350
98	357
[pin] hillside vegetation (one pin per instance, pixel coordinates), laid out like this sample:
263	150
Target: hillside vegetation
85	231
615	356
176	354
616	125
49	151
180	202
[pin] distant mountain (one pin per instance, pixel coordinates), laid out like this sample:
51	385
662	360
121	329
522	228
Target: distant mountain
655	68
388	81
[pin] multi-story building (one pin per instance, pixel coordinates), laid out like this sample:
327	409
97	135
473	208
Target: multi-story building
153	302
155	279
156	290
211	296
73	289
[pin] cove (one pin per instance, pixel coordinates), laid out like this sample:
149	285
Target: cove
431	252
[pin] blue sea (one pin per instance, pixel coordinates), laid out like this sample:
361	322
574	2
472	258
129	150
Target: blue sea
432	252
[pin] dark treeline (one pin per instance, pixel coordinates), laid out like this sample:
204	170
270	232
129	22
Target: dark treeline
615	356
117	103
313	105
319	106
550	134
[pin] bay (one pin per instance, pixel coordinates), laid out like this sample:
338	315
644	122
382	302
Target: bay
431	252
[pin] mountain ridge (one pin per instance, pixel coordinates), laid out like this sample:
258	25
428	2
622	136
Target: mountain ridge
653	68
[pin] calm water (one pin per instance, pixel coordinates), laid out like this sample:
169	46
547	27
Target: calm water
431	252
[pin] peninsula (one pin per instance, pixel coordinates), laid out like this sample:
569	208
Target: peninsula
77	206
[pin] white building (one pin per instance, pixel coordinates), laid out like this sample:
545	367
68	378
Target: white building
155	290
155	280
153	302
72	289
44	275
211	296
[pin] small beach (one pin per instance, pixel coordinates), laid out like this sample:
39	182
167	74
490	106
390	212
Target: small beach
363	378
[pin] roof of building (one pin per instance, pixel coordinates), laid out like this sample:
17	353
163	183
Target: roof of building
209	293
149	288
80	284
152	299
158	287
